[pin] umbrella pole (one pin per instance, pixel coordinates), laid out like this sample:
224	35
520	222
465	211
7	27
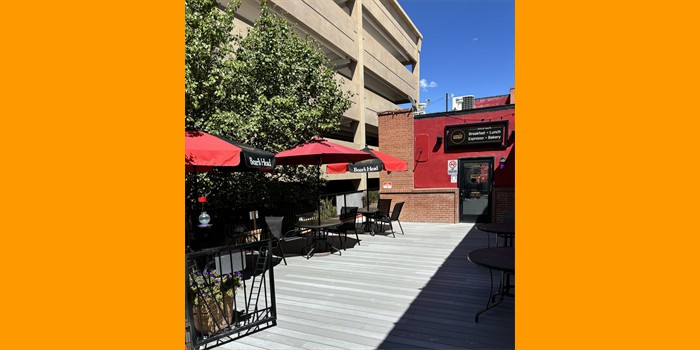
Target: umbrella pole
194	172
196	194
367	188
318	190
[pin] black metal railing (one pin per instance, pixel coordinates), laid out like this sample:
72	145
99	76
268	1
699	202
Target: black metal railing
229	293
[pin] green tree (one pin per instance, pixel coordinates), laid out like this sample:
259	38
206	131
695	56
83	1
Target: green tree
209	60
286	90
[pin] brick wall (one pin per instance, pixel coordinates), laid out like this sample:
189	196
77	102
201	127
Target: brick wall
427	205
503	205
397	138
434	201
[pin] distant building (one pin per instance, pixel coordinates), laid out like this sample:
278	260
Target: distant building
375	49
461	162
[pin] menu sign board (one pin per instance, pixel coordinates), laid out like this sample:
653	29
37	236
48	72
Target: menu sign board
476	135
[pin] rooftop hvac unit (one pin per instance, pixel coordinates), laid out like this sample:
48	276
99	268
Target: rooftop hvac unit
468	102
462	102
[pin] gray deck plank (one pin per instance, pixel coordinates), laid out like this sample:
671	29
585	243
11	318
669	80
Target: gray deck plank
415	291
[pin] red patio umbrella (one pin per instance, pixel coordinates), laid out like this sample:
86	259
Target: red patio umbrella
204	151
320	151
379	161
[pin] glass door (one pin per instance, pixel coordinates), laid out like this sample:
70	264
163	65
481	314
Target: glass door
475	180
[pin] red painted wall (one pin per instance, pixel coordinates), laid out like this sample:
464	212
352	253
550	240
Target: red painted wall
491	101
431	159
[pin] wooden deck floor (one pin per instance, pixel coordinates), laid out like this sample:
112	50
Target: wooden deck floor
417	290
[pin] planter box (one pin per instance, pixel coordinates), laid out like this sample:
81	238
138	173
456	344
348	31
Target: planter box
210	319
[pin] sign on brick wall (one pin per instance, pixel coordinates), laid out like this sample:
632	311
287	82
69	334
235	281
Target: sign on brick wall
478	135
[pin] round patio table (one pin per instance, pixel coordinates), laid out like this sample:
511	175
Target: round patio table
505	230
320	234
499	259
370	215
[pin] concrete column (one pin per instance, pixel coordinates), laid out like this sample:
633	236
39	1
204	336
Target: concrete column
358	79
416	72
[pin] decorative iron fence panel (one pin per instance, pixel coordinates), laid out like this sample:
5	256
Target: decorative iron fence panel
229	293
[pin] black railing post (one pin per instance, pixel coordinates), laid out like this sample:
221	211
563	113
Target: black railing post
273	301
192	335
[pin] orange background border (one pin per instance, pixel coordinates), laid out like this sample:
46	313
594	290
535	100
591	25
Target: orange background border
93	108
604	201
93	104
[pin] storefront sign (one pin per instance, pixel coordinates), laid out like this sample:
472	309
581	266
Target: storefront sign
492	134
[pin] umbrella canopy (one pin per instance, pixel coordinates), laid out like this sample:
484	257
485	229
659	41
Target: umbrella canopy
320	151
380	161
204	151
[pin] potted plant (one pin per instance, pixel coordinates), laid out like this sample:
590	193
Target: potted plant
212	295
327	210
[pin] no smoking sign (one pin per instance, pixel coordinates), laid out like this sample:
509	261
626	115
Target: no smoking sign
452	167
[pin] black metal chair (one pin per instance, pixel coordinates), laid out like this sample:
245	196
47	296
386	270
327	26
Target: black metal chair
383	207
274	225
348	215
387	219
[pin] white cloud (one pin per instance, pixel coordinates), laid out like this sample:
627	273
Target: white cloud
425	85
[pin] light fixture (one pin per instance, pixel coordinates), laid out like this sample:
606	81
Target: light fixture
204	218
502	162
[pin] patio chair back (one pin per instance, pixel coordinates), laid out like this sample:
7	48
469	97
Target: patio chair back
383	205
274	224
397	211
347	213
388	219
349	217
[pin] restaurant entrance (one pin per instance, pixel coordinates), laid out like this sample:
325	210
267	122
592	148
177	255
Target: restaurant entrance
475	181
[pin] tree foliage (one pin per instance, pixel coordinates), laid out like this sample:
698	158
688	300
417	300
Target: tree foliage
209	61
287	91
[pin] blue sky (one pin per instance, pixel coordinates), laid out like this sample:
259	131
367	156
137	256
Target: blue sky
468	48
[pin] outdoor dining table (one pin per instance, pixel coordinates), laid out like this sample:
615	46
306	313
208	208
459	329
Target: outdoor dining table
500	259
320	234
505	230
369	214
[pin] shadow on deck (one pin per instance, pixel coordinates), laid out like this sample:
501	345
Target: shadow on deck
442	315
